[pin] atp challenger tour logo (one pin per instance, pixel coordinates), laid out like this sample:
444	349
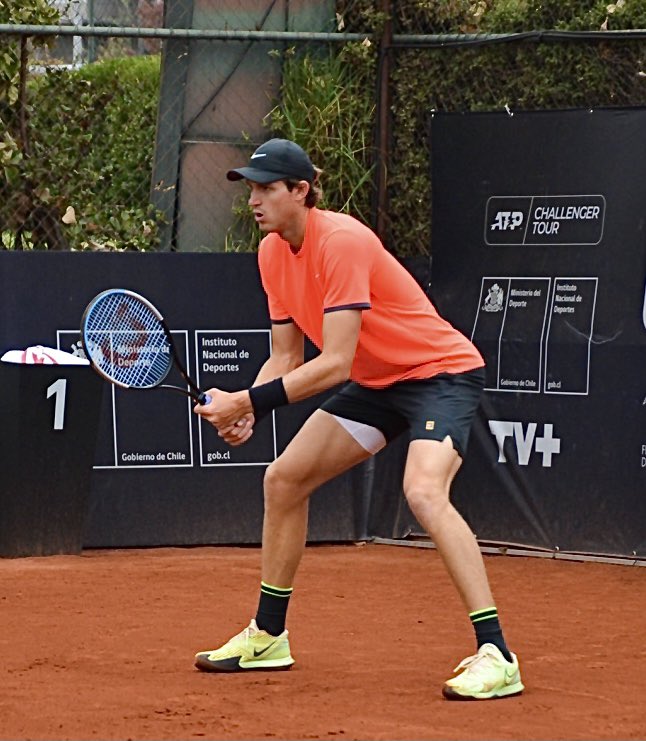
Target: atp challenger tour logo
544	220
507	220
526	441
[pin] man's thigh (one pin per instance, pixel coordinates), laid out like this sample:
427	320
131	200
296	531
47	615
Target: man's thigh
320	450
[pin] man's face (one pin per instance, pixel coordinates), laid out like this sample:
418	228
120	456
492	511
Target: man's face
274	206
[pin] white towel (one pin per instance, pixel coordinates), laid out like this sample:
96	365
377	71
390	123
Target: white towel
39	355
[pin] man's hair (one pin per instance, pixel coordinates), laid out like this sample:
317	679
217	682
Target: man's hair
315	193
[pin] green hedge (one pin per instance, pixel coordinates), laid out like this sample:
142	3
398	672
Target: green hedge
92	130
92	136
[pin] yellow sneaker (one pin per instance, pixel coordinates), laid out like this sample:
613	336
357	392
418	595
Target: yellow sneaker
484	676
251	649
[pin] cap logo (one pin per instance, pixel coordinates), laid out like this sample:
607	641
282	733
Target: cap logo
255	156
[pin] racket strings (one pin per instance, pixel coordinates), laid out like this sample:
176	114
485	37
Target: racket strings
127	342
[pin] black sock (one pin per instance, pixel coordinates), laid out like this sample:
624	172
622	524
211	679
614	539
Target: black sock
488	630
272	608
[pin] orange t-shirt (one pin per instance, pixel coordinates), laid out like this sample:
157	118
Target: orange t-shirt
342	264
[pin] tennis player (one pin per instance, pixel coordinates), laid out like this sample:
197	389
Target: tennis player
408	371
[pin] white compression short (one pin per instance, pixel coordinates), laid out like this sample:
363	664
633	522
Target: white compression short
370	438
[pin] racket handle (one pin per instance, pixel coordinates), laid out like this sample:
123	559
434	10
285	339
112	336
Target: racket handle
204	399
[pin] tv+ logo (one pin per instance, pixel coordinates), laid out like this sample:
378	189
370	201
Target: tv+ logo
526	441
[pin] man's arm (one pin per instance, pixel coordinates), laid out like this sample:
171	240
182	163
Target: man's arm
287	352
330	367
333	364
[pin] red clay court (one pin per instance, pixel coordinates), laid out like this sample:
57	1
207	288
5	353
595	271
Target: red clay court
101	646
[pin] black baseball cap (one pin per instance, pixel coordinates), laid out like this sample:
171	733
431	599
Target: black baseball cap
276	159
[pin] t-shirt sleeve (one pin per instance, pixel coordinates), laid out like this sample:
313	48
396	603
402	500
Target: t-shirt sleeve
346	266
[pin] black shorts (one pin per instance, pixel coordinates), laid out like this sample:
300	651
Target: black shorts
430	408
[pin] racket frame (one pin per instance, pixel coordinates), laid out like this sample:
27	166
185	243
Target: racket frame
193	390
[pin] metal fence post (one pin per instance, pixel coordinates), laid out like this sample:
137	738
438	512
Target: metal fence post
383	125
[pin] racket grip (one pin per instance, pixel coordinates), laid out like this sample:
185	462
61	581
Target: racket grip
204	399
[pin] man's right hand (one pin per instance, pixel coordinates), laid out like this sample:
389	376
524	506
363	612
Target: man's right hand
238	433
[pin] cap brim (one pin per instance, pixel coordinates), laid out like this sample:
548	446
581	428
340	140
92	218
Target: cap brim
255	174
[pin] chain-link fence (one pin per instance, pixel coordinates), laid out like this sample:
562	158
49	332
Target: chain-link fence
76	50
120	117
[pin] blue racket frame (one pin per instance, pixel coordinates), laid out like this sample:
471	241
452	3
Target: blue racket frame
128	343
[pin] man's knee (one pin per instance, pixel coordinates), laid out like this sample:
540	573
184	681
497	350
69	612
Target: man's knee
429	499
275	476
281	486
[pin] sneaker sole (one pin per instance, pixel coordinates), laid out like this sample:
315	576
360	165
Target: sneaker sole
233	665
510	691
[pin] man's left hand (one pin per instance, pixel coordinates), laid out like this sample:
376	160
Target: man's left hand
225	409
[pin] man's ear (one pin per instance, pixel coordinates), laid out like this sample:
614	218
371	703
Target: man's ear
303	189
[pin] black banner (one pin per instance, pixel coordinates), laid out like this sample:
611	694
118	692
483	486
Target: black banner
539	256
48	432
161	476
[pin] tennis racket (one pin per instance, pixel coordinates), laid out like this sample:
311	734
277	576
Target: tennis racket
128	343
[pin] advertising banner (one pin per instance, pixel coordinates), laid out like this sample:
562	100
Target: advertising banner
160	475
539	256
